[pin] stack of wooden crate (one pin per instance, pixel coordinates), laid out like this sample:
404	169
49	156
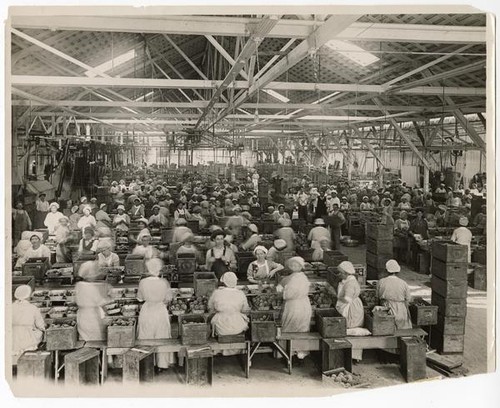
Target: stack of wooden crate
379	249
449	293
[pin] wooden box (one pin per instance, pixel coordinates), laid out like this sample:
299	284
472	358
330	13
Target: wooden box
268	227
121	336
451	324
36	267
448	251
234	338
373	273
333	258
449	307
449	270
81	259
479	255
380	246
422	313
377	261
135	265
194	226
138	365
61	338
306	254
263	331
186	264
331	323
379	231
167	235
443	343
205	283
243	259
82	367
450	288
199	367
412	355
336	353
34	365
480	278
194	329
22	280
380	323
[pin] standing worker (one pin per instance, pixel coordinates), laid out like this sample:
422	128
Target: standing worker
394	293
463	236
154	320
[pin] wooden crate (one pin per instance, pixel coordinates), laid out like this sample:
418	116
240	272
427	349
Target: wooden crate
121	336
334	258
167	235
480	278
479	255
194	329
22	280
81	259
412	355
373	273
425	315
336	353
138	365
449	270
448	251
233	338
82	367
331	323
134	265
451	324
263	331
449	307
36	267
61	338
380	246
453	343
379	231
449	289
186	264
306	254
205	283
34	365
199	367
194	226
377	261
243	259
380	324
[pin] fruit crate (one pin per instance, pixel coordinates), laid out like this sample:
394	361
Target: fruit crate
135	265
233	338
423	313
449	251
413	364
449	307
452	289
205	283
194	329
36	267
379	231
449	270
451	325
368	296
186	265
263	327
334	258
61	335
446	343
122	332
380	322
331	323
380	246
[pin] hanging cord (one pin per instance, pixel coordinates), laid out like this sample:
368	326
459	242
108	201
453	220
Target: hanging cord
442	133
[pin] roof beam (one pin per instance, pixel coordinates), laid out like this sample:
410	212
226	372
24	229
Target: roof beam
235	26
64	81
248	50
224	53
403	135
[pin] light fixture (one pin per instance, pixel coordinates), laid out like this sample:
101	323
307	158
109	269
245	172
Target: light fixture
114	62
353	52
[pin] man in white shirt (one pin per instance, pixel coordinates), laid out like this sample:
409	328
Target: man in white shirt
462	235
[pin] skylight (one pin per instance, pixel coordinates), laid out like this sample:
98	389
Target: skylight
112	63
353	52
276	95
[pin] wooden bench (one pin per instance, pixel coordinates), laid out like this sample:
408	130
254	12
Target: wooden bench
82	367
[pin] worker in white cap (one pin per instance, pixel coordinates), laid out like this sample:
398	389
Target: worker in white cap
27	323
276	251
286	233
121	221
261	269
394	293
349	304
253	238
319	231
229	305
154	320
462	235
107	258
297	310
52	218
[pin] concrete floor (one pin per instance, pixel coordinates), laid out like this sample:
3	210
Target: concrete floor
271	376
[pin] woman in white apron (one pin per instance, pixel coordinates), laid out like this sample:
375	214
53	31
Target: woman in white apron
121	221
52	218
261	269
154	320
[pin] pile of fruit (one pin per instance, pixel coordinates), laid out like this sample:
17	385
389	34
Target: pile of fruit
112	309
418	301
369	298
198	304
40	294
62	325
346	379
122	322
178	306
322	298
263	318
267	301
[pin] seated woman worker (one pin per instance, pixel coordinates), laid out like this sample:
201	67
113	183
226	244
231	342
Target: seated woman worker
220	258
261	269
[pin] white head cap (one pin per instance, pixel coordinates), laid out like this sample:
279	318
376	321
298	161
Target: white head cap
392	266
347	267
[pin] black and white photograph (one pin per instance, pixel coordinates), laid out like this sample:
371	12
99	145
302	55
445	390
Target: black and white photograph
215	201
